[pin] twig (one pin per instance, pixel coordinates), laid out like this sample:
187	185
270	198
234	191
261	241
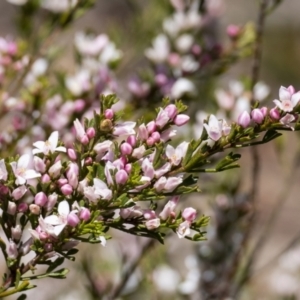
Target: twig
254	152
130	268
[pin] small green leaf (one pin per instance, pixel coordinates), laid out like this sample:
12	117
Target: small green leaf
55	264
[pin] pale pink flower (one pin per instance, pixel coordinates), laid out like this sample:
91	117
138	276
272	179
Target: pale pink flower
169	208
50	146
183	229
97	191
214	128
287	100
55	169
21	172
131	212
160	51
152	224
126	128
176	155
286	120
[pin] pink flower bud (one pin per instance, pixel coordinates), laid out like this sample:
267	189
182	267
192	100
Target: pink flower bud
109	113
244	119
150	141
171	111
143	132
66	189
152	224
79	105
52	199
22	207
11	208
46	178
121	177
151	127
72	154
149	214
257	116
189	214
275	114
39	164
72	174
54	171
34	209
181	119
84	140
43	236
19	192
128	168
155	136
126	149
264	111
72	219
131	140
40	199
84	214
62	181
91	132
233	31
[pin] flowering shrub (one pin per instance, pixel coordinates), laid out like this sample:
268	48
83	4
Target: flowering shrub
74	165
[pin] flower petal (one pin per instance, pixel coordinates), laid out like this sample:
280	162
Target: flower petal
284	94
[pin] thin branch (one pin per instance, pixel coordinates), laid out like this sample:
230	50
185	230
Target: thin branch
254	152
130	268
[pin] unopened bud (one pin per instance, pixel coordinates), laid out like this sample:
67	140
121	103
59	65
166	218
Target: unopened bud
66	189
121	177
40	199
91	132
244	119
131	140
72	154
126	149
109	113
106	125
72	219
84	214
181	119
34	209
189	214
257	116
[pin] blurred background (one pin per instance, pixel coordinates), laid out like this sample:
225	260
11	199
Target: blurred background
132	25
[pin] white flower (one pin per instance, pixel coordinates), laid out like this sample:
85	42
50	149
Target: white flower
55	169
181	87
20	170
97	191
184	42
287	100
89	45
110	54
49	146
55	224
160	51
58	6
261	91
17	2
176	155
79	83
